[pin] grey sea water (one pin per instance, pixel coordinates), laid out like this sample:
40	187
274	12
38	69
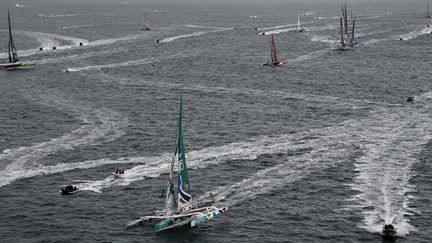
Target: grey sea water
324	149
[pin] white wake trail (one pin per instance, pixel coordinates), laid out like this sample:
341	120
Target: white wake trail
100	125
414	34
134	62
392	141
194	34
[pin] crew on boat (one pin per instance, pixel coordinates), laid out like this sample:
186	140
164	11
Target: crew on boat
389	227
70	188
119	172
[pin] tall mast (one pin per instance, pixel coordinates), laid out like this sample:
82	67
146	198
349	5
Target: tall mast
184	196
342	34
273	50
346	20
352	32
427	9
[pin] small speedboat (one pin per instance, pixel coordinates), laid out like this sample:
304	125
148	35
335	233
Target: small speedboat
69	189
389	231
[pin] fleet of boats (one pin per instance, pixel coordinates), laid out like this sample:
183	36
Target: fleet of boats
180	210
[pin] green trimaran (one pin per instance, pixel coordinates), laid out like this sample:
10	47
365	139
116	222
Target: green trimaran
182	212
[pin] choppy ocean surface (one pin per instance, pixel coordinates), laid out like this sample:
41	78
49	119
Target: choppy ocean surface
324	149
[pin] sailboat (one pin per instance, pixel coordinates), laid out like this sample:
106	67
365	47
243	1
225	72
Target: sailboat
146	26
299	27
183	212
14	63
274	56
342	46
427	10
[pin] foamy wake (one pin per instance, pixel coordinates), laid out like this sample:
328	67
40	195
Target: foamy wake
277	27
194	34
248	150
391	141
47	42
416	33
207	27
276	31
80	56
132	63
100	125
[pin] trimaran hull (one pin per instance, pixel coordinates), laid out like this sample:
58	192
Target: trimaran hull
17	65
184	212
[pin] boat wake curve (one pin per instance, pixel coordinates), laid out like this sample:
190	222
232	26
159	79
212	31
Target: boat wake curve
134	62
415	34
194	34
394	141
100	125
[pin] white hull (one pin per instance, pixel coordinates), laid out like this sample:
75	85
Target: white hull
17	65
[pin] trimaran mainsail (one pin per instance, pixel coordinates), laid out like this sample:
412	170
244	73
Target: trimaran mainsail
182	212
274	56
14	63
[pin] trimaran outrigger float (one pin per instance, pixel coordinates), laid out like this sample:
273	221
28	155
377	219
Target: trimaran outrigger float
14	63
182	212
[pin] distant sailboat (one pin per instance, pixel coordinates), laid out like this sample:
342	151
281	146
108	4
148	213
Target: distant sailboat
14	63
274	56
146	26
299	27
342	46
183	212
427	10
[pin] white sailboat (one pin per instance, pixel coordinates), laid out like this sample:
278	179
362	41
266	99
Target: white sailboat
299	27
183	212
146	26
14	63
